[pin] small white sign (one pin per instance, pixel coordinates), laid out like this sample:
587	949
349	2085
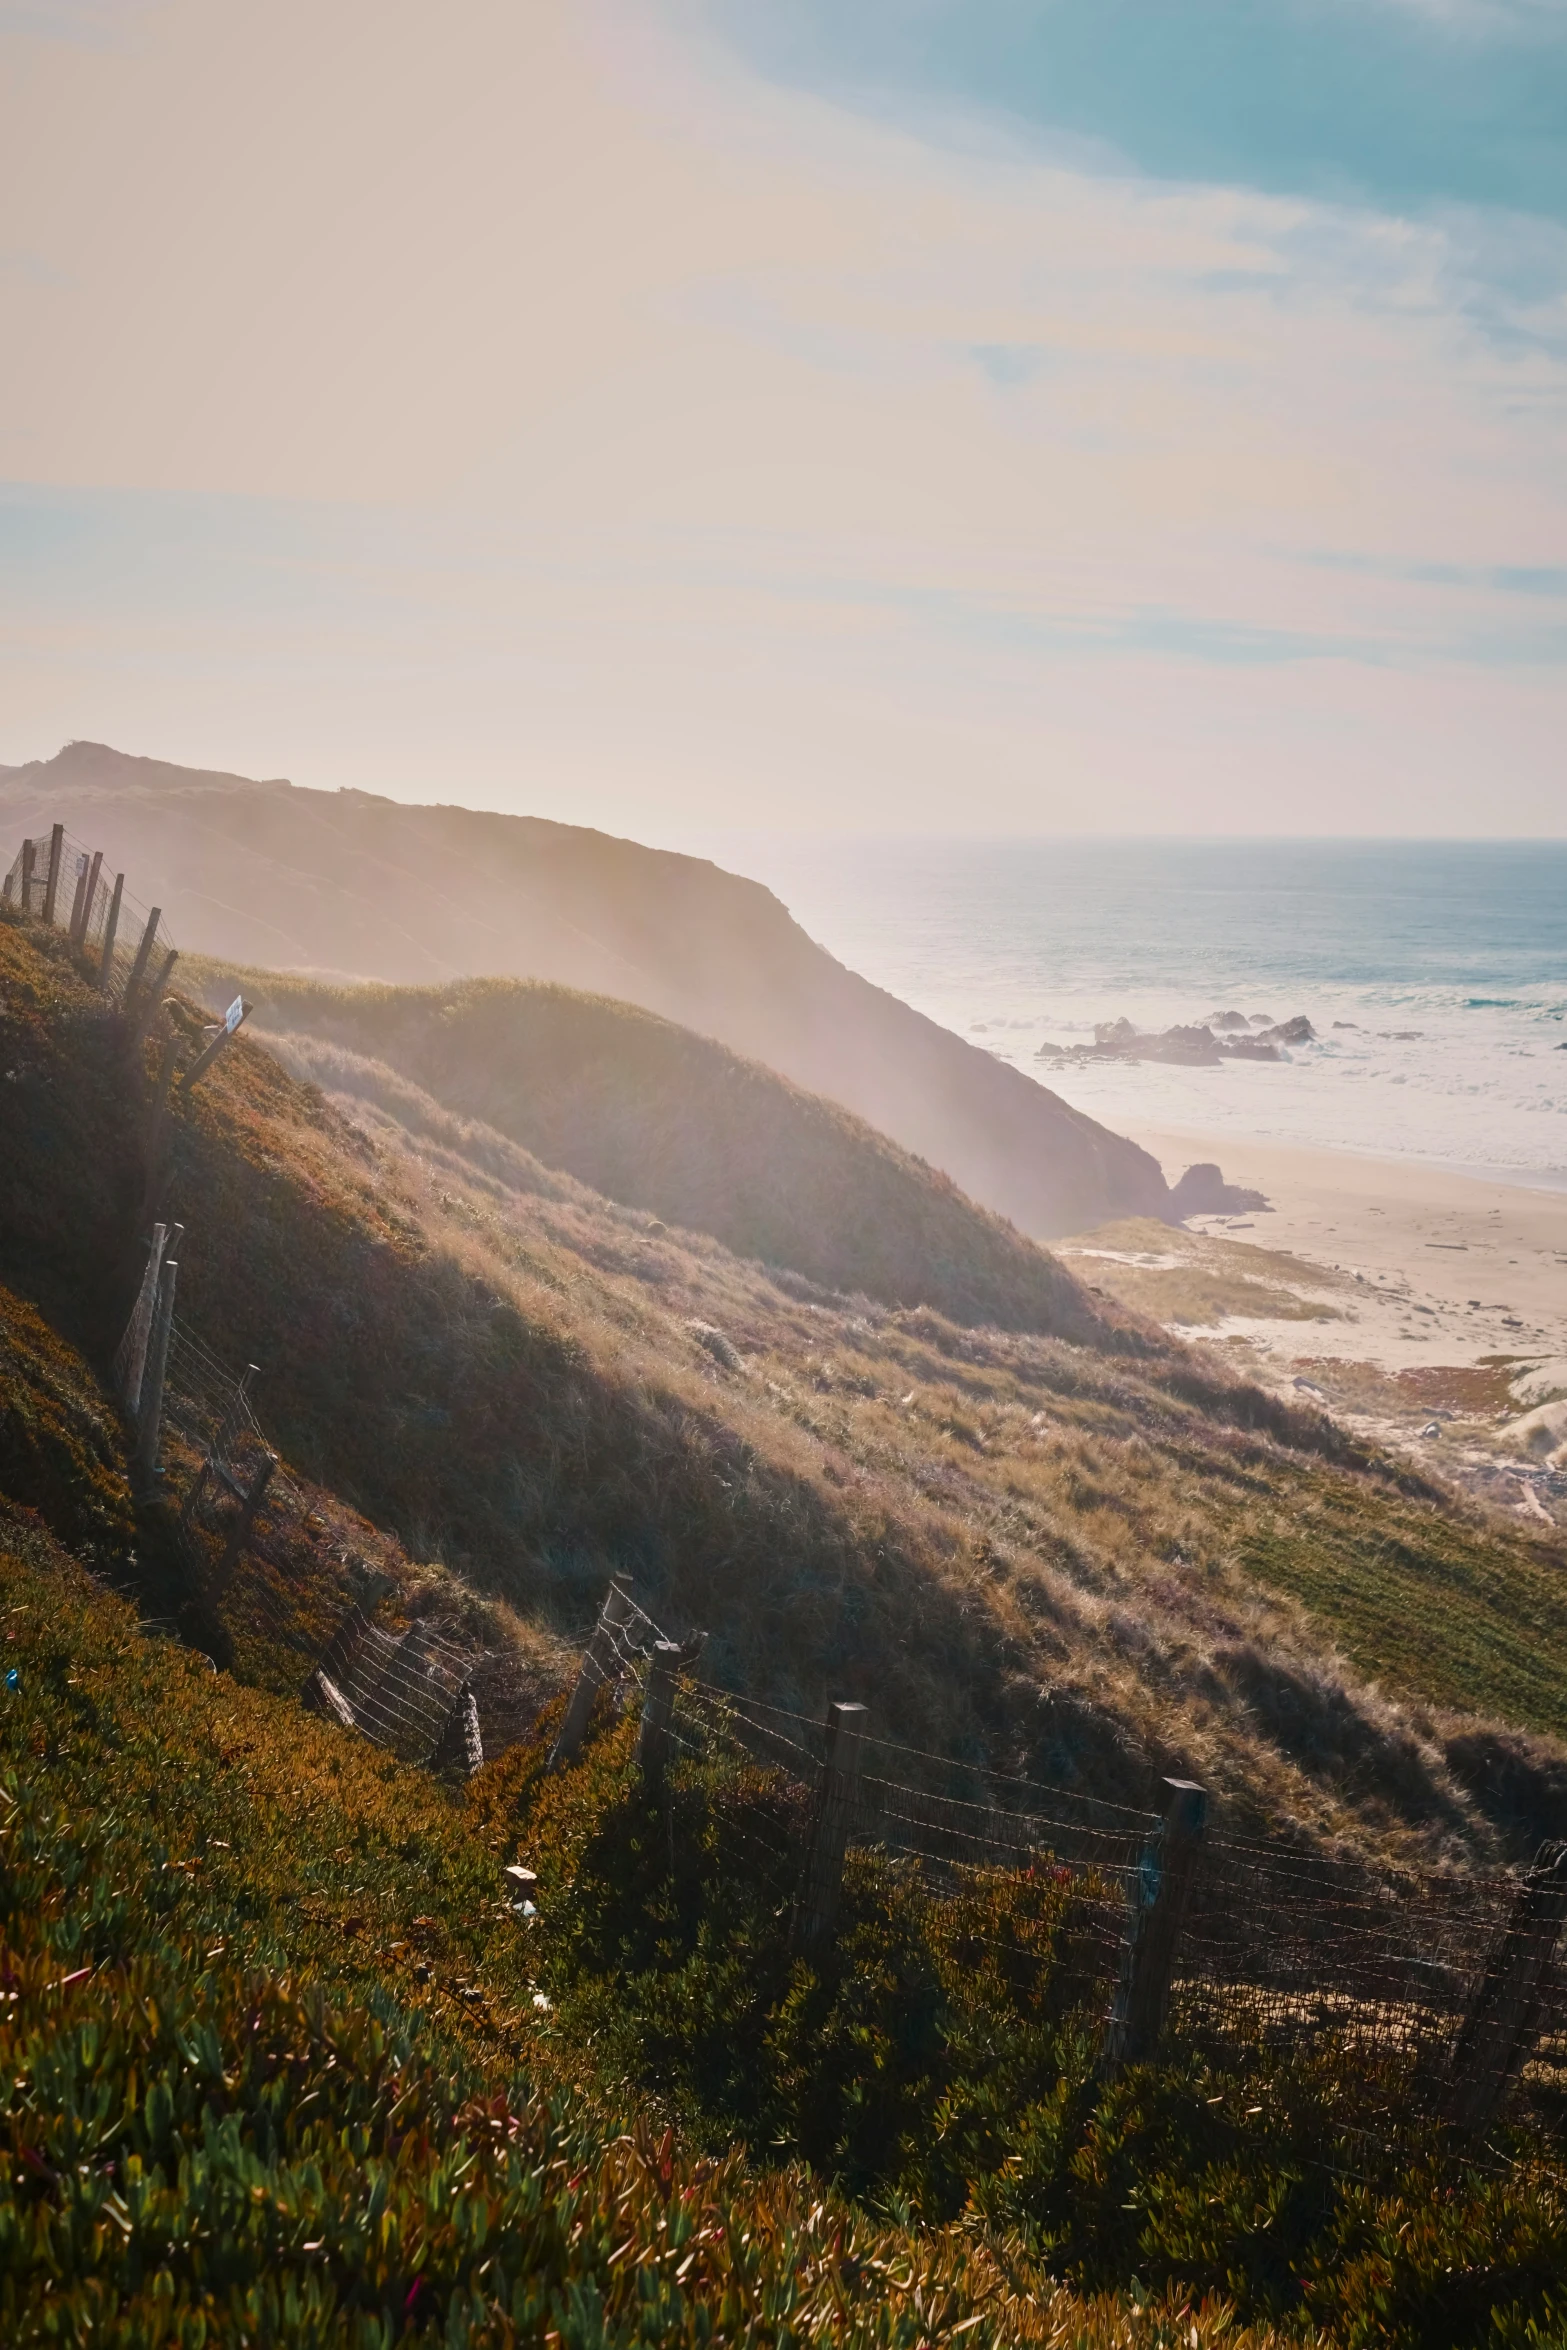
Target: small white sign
233	1016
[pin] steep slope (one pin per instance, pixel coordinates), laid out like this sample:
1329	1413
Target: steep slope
659	1118
346	883
275	2070
1015	1549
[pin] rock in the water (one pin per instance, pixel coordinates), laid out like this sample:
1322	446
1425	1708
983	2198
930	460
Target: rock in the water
1227	1020
1202	1191
1189	1047
1296	1031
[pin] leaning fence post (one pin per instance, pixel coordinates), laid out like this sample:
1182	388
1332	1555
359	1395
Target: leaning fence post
142	952
225	1036
150	1423
816	1910
1500	2023
52	884
29	863
1161	1892
110	926
598	1665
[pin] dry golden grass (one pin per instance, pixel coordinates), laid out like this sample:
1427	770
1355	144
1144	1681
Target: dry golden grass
1034	1553
1040	1556
660	1118
1197	1280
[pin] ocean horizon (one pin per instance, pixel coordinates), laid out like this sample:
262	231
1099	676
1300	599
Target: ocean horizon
1434	974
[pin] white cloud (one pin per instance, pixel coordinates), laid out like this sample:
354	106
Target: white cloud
681	474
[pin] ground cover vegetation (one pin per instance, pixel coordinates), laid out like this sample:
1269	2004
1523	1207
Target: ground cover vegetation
281	2064
273	2071
1198	1280
941	2060
1074	1560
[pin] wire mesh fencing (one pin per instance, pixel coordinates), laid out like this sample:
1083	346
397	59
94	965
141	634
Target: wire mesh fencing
1289	1949
268	1566
125	946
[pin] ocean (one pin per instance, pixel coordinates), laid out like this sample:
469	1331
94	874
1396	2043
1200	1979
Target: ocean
1434	975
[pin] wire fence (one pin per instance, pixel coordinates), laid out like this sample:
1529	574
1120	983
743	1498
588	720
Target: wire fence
1271	1946
1278	1948
266	1563
58	880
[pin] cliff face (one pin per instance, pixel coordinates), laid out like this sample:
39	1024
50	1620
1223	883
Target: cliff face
349	884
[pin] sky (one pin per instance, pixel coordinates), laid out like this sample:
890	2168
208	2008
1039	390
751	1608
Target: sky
987	416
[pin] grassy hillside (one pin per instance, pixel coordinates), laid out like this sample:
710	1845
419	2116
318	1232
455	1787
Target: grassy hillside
275	2072
662	1119
1016	1550
345	883
281	2065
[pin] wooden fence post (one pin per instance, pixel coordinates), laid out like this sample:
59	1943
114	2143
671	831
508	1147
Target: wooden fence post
598	1666
1500	2023
139	1328
52	882
209	1053
816	1909
472	1734
89	900
1161	1892
29	860
77	896
149	1426
244	1520
111	925
142	952
657	1706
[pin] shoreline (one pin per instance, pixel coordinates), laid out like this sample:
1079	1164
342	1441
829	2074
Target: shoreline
1426	1309
1425	1243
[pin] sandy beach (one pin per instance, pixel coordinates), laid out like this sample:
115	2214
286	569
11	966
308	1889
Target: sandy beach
1426	1308
1454	1268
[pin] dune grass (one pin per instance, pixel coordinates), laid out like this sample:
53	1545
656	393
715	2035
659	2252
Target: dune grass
1040	1556
659	1118
1198	1280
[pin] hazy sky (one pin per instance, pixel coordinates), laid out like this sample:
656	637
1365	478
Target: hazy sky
1012	415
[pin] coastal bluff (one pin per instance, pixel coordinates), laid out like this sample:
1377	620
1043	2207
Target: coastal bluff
349	885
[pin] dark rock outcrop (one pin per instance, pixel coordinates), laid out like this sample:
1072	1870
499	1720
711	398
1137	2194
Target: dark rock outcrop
1202	1191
